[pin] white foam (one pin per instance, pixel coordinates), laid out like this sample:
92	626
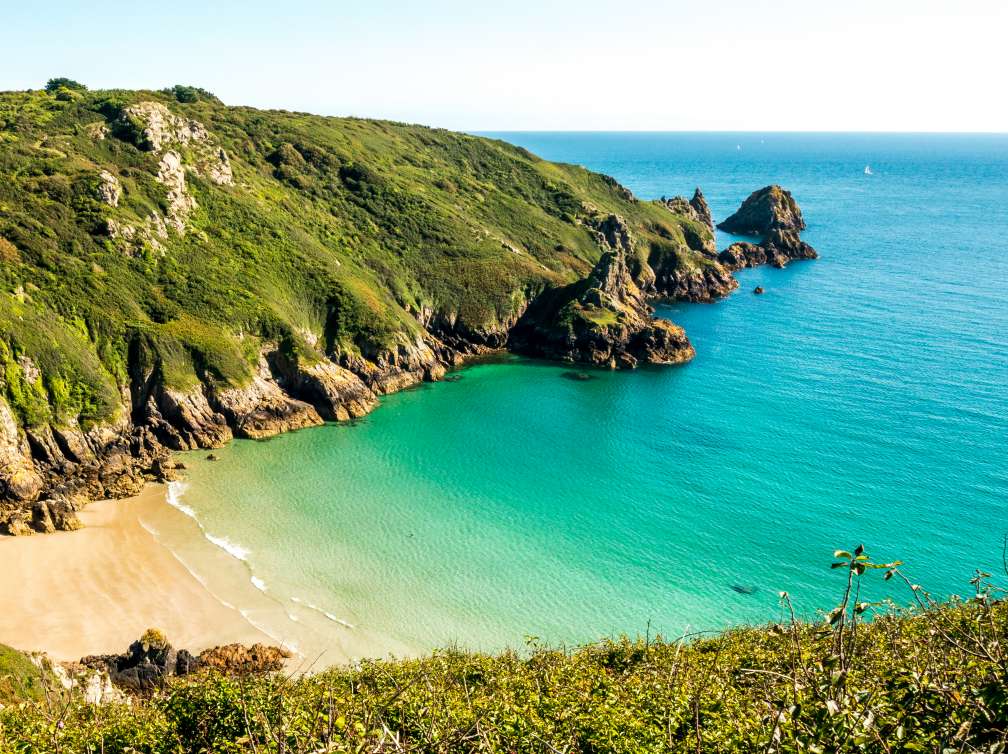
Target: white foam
317	609
149	529
192	571
231	548
175	491
258	583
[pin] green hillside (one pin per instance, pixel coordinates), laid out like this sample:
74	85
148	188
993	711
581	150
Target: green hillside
335	236
174	272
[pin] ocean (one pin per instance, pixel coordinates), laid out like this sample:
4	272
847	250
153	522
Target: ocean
863	399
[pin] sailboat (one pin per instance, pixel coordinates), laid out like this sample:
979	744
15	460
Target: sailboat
867	170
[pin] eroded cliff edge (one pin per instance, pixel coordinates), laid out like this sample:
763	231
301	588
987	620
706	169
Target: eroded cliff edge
174	276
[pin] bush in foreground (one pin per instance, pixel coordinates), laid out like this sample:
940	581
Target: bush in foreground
931	679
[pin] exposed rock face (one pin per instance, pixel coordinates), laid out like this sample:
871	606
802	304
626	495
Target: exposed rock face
702	209
151	660
109	188
696	208
768	209
699	286
93	684
19	480
180	203
612	232
155	128
600	320
184	420
773	214
262	409
237	659
336	393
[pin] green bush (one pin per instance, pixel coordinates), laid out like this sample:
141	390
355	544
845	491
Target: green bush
61	82
931	678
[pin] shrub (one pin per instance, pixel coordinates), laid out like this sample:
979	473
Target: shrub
931	678
61	82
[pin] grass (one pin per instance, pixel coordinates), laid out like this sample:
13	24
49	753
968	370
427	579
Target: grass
20	679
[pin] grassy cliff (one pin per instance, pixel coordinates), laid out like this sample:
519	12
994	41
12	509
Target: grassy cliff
174	271
333	235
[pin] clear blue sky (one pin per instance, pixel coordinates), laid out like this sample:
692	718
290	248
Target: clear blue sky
539	64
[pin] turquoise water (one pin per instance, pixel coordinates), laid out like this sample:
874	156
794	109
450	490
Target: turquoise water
863	398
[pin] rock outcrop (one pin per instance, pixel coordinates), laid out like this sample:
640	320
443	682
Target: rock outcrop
92	684
19	481
695	209
183	144
261	408
702	209
602	319
238	659
151	660
109	188
768	209
774	215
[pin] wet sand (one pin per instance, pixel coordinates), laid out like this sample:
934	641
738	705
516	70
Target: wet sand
96	590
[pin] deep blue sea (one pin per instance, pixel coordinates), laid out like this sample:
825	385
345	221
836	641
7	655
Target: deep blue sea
862	399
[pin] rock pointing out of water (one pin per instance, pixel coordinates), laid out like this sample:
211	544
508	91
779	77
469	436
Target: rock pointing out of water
774	215
764	211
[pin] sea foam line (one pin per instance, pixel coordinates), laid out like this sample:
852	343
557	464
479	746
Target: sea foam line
317	609
235	550
175	492
189	569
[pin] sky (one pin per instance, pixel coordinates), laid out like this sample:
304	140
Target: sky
648	65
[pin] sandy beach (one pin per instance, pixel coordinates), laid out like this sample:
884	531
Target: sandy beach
96	590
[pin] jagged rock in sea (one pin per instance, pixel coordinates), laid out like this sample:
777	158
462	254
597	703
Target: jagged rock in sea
765	210
774	215
602	319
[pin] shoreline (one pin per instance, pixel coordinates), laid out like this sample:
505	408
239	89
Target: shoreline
94	591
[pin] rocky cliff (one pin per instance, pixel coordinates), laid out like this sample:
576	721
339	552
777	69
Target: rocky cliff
601	320
177	274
